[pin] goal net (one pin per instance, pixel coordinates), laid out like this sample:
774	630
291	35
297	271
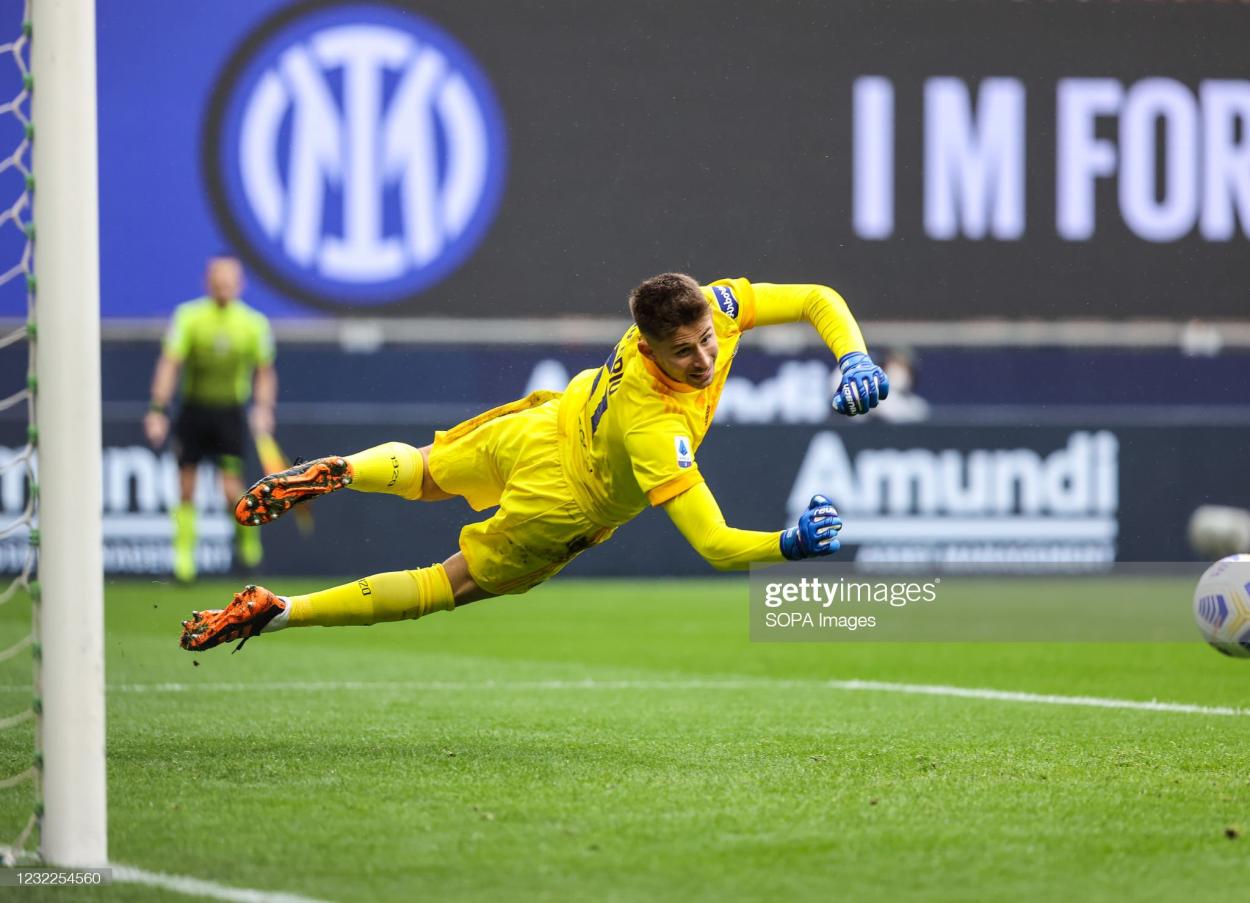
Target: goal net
51	729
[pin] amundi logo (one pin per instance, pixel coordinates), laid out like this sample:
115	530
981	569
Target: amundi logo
355	153
988	495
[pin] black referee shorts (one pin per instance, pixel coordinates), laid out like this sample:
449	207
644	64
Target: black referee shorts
205	432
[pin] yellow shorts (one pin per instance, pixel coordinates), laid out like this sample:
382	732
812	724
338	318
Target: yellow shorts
509	456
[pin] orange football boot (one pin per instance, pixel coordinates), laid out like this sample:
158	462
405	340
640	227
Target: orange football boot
272	496
245	616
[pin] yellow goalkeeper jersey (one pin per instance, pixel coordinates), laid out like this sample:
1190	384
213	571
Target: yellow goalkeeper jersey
629	434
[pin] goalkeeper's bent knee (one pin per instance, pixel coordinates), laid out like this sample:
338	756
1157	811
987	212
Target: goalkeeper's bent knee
393	467
393	596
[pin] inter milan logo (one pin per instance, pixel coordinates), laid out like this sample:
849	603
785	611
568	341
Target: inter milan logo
355	153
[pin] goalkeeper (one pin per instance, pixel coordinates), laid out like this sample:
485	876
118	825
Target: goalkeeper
564	469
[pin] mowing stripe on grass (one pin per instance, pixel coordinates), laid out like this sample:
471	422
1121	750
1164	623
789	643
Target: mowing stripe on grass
871	686
197	887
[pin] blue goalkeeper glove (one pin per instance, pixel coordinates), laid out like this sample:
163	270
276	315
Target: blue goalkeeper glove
863	385
816	536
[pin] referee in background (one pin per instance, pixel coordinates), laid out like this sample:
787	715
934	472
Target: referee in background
225	352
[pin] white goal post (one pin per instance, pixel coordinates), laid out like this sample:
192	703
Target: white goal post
71	613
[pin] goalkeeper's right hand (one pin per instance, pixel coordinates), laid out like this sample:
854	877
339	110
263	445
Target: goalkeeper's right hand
864	385
816	536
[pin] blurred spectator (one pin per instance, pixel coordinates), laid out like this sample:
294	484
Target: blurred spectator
903	405
223	348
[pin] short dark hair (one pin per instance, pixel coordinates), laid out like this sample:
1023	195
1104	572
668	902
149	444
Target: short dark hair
665	303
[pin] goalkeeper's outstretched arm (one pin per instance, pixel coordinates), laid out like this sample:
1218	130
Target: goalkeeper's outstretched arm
864	384
819	305
726	548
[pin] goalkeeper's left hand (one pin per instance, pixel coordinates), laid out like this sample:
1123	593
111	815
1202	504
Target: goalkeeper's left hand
816	534
863	387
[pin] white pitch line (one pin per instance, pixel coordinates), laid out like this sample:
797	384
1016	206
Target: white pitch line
197	887
872	686
1096	702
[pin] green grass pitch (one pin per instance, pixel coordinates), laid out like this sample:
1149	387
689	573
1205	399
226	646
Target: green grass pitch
465	758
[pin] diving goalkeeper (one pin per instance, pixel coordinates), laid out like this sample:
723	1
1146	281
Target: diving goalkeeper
564	469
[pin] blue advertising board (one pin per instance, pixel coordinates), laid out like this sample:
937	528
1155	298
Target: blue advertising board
921	494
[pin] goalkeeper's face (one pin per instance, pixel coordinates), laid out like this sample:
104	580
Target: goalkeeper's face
688	354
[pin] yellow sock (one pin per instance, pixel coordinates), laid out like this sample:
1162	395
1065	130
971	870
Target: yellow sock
394	596
392	467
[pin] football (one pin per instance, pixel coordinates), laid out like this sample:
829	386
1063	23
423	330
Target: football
1222	605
